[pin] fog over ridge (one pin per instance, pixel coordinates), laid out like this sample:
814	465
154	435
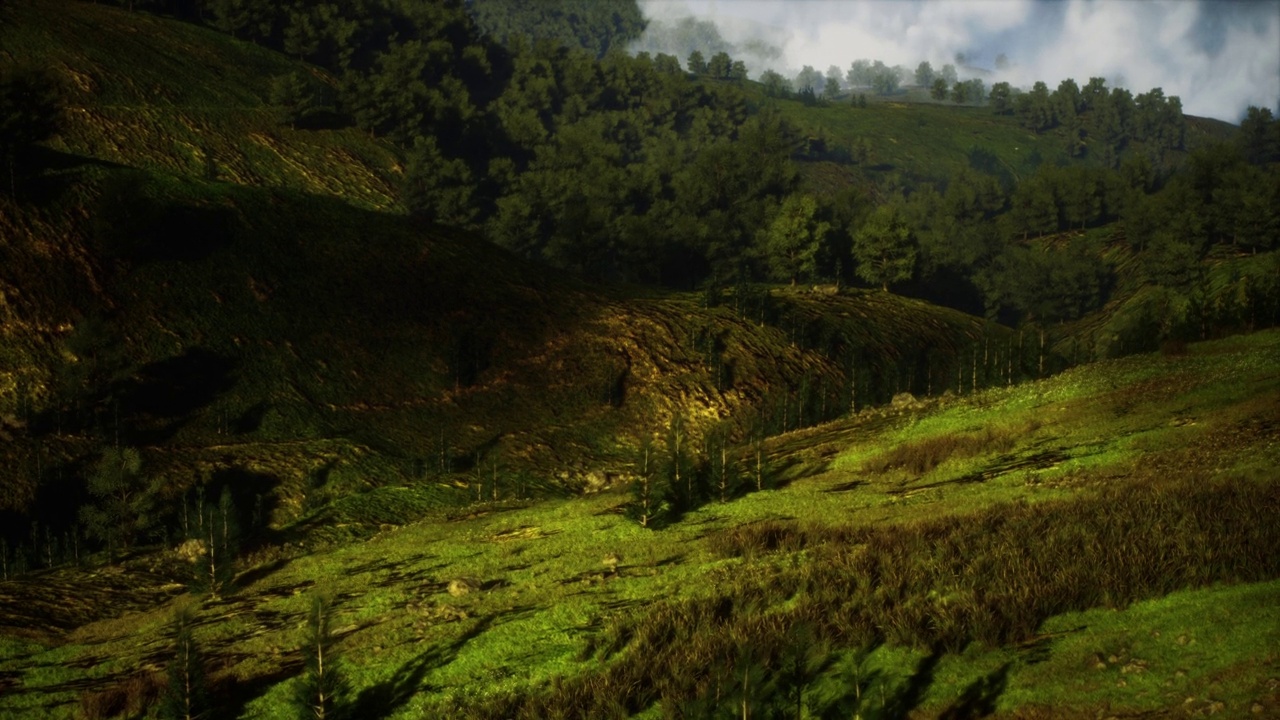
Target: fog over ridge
1218	56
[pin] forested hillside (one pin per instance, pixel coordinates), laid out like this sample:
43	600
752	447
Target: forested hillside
241	316
535	374
680	171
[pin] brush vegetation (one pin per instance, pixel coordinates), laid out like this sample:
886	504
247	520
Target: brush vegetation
1142	486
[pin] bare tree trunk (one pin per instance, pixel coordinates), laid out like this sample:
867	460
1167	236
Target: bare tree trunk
1040	370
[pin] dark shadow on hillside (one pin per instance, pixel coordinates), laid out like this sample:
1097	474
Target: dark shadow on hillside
254	499
253	575
234	694
178	386
324	120
979	699
846	486
131	224
387	697
250	420
44	175
907	696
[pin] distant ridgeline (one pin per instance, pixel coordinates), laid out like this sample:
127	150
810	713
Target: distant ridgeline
559	146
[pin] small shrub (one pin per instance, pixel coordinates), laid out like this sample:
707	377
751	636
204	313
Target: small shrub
129	697
921	456
760	538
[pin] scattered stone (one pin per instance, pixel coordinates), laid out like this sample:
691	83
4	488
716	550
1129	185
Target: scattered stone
463	586
1121	683
190	551
611	561
448	613
1098	662
1215	707
1257	709
1134	667
1113	659
903	401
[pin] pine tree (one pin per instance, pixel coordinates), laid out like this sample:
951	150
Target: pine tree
218	536
187	696
122	506
647	492
885	248
301	99
794	237
31	104
322	690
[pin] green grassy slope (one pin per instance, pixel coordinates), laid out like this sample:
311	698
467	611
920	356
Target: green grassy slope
1077	482
158	94
913	139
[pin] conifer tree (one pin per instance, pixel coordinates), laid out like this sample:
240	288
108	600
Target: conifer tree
122	506
218	534
794	237
186	697
322	690
885	248
697	63
647	492
301	99
30	111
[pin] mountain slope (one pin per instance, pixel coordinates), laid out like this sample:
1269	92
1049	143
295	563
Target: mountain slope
154	93
323	345
1078	477
283	317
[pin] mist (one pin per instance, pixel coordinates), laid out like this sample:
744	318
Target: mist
1218	56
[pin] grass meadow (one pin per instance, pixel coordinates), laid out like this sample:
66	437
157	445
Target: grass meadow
1100	541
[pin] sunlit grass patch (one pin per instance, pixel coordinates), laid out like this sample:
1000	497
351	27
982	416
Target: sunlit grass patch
1209	645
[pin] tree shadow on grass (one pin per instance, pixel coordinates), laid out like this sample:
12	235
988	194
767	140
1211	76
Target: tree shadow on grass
233	695
870	694
906	697
385	698
979	699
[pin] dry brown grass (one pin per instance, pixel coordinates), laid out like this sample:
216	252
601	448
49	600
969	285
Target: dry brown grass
920	456
130	697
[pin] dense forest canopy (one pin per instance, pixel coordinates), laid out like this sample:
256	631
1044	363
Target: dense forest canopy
596	26
532	124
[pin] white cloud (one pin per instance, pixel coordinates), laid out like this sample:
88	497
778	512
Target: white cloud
1219	57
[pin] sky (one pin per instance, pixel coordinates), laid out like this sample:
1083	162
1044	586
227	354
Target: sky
1218	56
